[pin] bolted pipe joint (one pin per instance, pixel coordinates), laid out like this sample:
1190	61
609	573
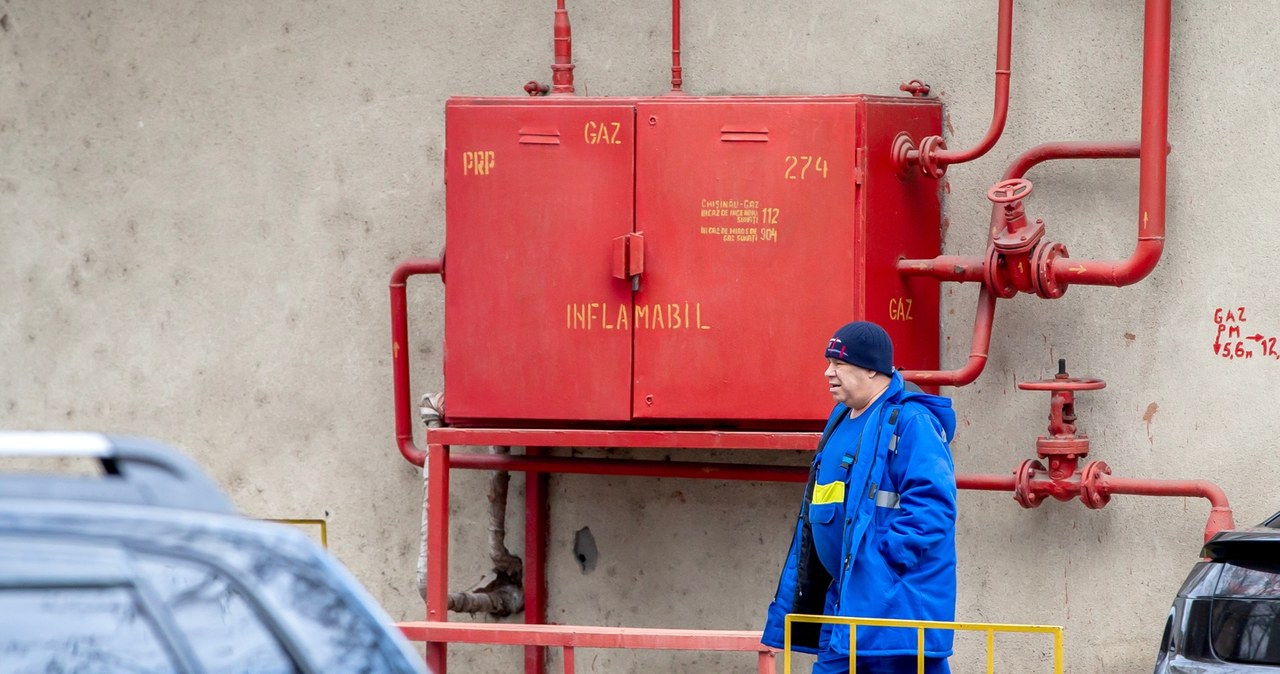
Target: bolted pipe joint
908	158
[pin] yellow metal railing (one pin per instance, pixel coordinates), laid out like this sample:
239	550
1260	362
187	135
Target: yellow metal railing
920	626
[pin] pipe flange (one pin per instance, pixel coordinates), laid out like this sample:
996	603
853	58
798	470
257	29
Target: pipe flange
929	148
993	275
1046	283
900	153
1022	490
1092	492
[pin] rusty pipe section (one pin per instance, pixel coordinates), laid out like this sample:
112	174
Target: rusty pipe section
1153	165
958	268
932	156
400	352
980	346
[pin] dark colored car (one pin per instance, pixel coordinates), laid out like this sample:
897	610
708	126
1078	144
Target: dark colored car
147	568
1226	618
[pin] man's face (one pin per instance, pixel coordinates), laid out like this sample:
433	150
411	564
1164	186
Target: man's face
850	385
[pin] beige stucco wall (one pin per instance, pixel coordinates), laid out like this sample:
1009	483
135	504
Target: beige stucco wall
200	205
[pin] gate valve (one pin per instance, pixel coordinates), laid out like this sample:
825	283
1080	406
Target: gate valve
1063	447
1017	237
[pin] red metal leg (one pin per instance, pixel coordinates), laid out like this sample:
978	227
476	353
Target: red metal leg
437	549
535	565
568	660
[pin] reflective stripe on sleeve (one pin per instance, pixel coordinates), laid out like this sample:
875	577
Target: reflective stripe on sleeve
887	499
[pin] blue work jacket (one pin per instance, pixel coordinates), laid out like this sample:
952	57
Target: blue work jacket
898	504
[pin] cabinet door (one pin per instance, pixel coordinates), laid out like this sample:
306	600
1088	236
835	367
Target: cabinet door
752	247
536	195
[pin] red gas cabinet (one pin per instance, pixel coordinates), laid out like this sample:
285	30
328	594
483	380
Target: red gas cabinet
676	261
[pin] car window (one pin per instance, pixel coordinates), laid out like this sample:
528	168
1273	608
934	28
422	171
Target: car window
94	630
1246	614
218	623
343	637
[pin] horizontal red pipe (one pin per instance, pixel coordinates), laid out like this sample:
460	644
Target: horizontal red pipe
980	346
1075	149
1220	517
400	352
987	482
962	269
630	467
956	268
650	439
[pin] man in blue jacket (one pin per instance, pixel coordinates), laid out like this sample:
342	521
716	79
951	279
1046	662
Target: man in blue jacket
876	533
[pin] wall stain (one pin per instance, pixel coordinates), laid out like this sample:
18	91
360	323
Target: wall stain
1147	416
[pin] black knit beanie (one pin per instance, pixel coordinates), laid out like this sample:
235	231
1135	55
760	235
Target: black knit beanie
864	344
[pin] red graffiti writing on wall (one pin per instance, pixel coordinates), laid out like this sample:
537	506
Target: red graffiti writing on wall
1231	341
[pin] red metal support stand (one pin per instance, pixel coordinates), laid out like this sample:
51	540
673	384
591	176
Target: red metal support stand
437	549
535	562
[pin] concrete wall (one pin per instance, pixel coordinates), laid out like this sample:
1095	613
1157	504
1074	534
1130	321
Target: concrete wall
200	204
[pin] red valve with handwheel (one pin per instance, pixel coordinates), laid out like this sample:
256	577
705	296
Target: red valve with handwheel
1009	191
1062	446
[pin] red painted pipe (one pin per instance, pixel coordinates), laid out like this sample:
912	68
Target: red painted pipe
1004	39
1076	149
958	268
1153	166
962	269
1220	517
400	352
535	562
980	346
677	73
562	69
981	482
630	467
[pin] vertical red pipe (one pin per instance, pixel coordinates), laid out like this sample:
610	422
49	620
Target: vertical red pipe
535	562
1004	40
677	76
400	352
980	346
562	69
437	549
1153	166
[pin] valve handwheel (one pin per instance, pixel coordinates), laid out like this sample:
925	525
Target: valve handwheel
1009	191
1063	384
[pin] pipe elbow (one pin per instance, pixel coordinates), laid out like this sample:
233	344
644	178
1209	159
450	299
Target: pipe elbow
413	267
410	451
